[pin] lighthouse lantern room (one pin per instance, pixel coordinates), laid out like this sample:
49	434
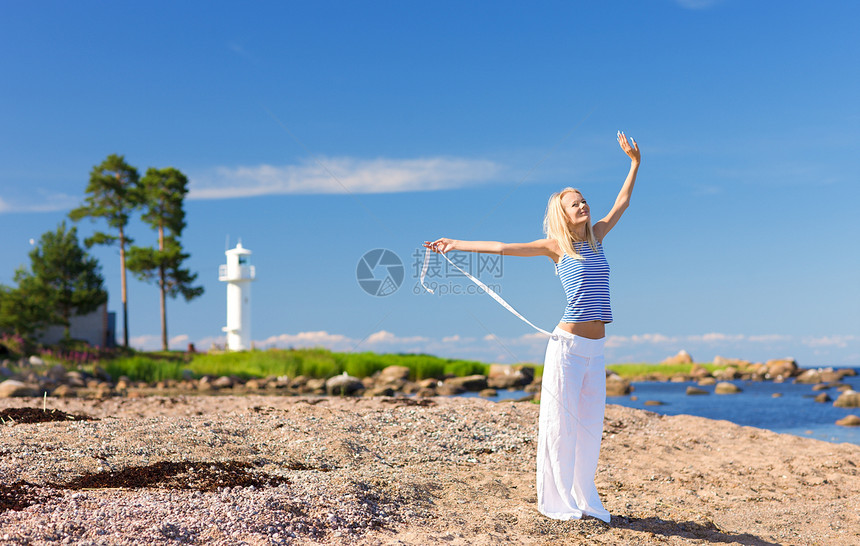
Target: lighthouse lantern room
238	274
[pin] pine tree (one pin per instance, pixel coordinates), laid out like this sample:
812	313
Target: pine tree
63	281
113	193
163	193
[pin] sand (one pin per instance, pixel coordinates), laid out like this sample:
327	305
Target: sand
289	470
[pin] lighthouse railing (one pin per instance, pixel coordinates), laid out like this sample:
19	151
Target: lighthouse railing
242	272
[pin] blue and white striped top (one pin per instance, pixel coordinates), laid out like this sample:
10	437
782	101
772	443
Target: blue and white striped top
586	284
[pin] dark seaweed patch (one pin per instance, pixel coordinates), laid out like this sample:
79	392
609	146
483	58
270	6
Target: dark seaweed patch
18	496
35	415
200	476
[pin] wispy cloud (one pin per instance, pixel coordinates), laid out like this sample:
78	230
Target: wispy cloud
341	175
830	341
319	338
384	337
153	342
697	4
326	176
240	50
47	202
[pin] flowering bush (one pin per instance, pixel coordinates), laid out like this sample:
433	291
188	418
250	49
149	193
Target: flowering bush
16	345
78	354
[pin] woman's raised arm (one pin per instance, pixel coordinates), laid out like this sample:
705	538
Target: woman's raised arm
604	225
541	247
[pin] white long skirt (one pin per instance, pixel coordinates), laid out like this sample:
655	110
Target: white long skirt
573	398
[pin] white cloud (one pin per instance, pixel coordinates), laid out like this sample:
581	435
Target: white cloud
637	339
178	343
830	341
769	338
48	202
207	343
715	337
326	176
383	336
342	175
145	343
152	342
319	338
697	4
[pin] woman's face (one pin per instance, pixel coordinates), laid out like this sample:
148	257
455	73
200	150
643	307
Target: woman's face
578	213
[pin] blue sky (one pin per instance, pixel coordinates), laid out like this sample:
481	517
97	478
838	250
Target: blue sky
317	131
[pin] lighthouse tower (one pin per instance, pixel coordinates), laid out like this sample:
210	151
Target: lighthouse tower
238	274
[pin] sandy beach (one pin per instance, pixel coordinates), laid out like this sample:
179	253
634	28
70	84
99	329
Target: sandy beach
289	470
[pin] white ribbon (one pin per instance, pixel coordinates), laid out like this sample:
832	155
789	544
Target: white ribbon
504	304
486	288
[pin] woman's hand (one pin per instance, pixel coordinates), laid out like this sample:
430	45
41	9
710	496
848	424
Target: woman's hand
630	150
442	245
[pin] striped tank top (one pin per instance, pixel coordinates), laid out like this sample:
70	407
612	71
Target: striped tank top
586	284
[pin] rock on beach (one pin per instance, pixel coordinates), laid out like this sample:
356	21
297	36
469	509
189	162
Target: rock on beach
343	385
692	391
683	357
782	367
393	374
848	399
12	388
724	387
474	383
617	385
849	421
506	376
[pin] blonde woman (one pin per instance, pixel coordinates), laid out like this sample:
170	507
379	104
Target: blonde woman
573	392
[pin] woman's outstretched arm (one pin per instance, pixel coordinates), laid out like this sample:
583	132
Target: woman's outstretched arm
541	247
603	226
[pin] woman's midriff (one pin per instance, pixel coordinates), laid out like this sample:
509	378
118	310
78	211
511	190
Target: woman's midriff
593	329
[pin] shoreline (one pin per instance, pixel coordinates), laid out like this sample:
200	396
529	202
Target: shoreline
455	470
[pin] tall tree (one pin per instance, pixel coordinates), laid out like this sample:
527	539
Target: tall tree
63	281
112	193
163	193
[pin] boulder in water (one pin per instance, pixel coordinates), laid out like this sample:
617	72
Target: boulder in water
724	387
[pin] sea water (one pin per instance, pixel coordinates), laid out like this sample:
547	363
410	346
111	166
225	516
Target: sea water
794	412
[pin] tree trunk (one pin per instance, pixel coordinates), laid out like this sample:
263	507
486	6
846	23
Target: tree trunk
124	291
162	288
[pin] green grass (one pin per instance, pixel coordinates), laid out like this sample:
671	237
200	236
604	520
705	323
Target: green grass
323	363
643	369
319	363
143	368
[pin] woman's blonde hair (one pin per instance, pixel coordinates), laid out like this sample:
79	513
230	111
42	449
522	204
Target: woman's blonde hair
555	225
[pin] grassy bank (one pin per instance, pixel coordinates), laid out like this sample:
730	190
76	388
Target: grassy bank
323	363
319	363
290	362
643	369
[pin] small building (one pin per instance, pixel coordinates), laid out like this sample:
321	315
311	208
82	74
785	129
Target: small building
97	328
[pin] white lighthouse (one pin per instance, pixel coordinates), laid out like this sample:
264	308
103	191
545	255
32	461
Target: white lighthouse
238	274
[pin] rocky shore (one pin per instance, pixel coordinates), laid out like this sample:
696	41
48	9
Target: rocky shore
258	469
37	380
